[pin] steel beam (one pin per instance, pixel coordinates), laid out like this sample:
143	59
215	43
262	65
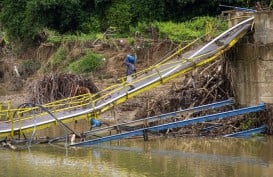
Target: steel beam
141	131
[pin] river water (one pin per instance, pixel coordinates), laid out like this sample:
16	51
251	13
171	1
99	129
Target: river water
183	157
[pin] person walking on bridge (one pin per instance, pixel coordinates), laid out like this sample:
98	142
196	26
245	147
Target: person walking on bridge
130	63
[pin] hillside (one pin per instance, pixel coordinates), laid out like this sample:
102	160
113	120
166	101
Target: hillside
17	81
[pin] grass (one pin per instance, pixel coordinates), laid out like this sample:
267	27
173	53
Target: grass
87	63
186	31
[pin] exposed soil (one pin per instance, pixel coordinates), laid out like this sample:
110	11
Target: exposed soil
19	85
14	79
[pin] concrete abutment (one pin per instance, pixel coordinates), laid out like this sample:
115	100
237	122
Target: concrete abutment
252	60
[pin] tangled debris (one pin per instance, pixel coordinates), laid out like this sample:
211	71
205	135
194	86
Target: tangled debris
58	86
203	86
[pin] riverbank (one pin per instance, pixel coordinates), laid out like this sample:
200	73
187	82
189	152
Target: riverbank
202	86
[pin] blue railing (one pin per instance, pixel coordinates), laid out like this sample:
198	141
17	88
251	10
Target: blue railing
168	115
182	123
248	133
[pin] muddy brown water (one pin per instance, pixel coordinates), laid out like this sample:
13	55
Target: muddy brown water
182	157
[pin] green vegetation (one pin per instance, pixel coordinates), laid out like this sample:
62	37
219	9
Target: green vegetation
30	22
192	29
246	125
26	20
58	57
119	15
82	63
87	63
56	38
30	66
252	121
183	31
178	32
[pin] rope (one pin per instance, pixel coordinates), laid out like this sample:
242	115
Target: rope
61	124
34	130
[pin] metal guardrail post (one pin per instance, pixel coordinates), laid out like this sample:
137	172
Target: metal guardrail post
12	127
92	101
81	101
20	123
158	72
179	50
124	86
10	117
55	112
1	107
8	108
209	28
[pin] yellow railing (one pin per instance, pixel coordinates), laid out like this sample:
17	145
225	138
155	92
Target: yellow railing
60	105
12	116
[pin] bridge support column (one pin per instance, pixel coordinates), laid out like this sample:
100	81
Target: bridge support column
145	135
252	61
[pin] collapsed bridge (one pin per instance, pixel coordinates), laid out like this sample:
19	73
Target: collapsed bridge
23	120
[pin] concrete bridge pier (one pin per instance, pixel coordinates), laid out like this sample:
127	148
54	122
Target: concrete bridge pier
252	60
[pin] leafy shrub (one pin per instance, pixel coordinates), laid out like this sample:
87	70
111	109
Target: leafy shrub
24	20
119	15
91	25
53	36
246	125
87	63
58	57
181	32
30	66
56	38
190	30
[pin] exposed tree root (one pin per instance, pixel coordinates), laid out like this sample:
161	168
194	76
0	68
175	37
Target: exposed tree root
58	86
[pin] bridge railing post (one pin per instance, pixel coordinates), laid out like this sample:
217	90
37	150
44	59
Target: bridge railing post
8	110
10	117
145	135
19	115
54	112
12	127
1	108
123	80
92	101
159	74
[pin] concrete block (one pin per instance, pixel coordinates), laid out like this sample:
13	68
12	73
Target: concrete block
265	89
267	100
252	63
265	71
265	52
247	93
263	28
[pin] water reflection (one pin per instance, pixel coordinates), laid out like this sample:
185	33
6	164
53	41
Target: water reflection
160	157
198	156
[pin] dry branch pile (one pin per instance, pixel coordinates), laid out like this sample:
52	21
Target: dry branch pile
58	86
203	86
